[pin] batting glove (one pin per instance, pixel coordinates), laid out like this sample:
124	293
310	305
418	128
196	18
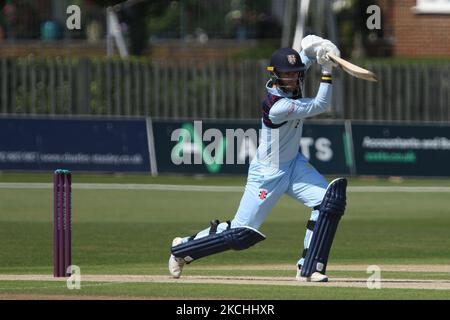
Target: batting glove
310	44
317	48
322	52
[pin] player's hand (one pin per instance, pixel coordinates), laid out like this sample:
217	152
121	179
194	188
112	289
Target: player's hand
317	48
310	44
324	49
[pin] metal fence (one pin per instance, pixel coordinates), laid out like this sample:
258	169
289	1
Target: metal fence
416	92
225	89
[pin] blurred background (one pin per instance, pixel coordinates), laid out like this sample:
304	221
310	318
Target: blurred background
180	40
122	94
205	59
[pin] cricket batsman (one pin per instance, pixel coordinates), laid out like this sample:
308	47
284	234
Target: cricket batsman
279	168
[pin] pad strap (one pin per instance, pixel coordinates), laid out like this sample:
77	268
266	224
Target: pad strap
310	225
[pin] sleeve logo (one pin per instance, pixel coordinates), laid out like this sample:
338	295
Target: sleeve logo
263	194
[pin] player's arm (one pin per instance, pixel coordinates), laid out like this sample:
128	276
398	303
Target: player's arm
290	109
314	49
307	61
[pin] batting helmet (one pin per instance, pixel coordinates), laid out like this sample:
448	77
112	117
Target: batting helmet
286	60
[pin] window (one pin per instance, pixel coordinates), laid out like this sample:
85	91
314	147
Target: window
432	6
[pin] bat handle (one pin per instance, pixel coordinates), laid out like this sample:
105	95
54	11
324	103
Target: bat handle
331	57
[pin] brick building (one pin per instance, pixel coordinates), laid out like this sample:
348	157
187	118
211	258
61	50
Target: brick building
417	28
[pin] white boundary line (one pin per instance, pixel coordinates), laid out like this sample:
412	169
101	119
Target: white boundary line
200	188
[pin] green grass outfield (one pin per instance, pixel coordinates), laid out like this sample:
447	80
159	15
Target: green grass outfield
128	232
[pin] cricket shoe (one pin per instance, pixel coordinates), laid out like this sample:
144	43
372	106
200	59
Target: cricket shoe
176	264
315	277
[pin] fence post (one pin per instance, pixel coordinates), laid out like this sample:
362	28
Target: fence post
33	84
127	80
146	89
13	84
4	87
407	98
117	88
82	87
338	84
137	67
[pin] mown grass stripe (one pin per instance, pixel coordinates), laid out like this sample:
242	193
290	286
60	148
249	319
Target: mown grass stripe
196	188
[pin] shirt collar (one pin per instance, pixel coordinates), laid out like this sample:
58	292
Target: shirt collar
277	91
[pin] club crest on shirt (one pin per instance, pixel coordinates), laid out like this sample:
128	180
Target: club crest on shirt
291	58
263	194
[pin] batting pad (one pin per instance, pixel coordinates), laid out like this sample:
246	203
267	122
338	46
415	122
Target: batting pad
233	238
331	210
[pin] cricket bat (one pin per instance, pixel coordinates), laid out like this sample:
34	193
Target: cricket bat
352	69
